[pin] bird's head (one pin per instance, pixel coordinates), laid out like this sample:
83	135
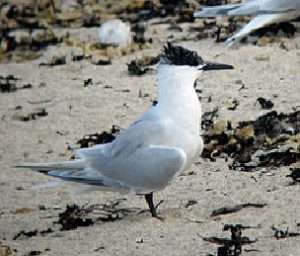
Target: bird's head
177	59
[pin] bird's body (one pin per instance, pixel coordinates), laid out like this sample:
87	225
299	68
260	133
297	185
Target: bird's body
146	156
266	12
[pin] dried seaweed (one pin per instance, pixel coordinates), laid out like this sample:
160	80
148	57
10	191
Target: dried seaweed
270	140
182	10
27	28
34	252
279	233
136	69
24	233
190	203
33	115
31	233
140	67
81	216
10	83
208	119
236	208
139	30
99	138
265	104
87	82
294	174
231	246
287	28
73	217
55	61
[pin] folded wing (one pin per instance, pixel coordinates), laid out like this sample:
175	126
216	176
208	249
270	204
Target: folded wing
138	160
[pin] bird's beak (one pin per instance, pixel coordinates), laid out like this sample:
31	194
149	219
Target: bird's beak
215	66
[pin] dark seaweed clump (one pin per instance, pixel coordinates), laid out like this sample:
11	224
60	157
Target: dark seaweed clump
272	140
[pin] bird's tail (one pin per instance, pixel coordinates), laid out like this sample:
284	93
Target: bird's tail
214	11
76	165
53	169
73	171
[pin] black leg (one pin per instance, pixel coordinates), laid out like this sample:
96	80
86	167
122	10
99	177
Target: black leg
149	200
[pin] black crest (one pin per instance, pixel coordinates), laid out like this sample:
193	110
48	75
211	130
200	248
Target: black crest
177	55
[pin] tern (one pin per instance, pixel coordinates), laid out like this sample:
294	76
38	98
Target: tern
266	12
145	157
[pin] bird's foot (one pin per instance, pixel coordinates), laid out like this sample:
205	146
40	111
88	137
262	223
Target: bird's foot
153	209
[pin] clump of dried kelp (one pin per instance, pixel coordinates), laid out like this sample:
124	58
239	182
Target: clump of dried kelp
74	216
28	27
235	208
31	233
99	138
10	83
139	67
272	140
41	112
231	246
180	10
77	216
280	234
294	175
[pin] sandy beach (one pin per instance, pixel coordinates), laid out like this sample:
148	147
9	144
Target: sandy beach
70	109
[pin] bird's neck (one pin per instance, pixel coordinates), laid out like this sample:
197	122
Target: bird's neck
177	98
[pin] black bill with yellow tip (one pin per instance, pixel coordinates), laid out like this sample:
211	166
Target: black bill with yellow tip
215	66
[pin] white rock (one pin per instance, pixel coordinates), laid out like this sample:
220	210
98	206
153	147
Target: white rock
115	32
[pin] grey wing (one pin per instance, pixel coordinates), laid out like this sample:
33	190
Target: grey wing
140	134
140	159
146	170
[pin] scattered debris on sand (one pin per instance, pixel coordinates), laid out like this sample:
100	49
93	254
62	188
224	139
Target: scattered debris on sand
294	174
27	29
265	104
231	246
236	208
140	67
272	140
279	233
23	233
81	216
99	138
136	69
40	112
10	83
73	217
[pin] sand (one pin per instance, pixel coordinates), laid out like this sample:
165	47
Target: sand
74	111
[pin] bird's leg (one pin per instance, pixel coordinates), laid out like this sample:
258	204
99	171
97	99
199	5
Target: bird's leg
149	200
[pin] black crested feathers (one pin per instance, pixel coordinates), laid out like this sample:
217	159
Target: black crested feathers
177	55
